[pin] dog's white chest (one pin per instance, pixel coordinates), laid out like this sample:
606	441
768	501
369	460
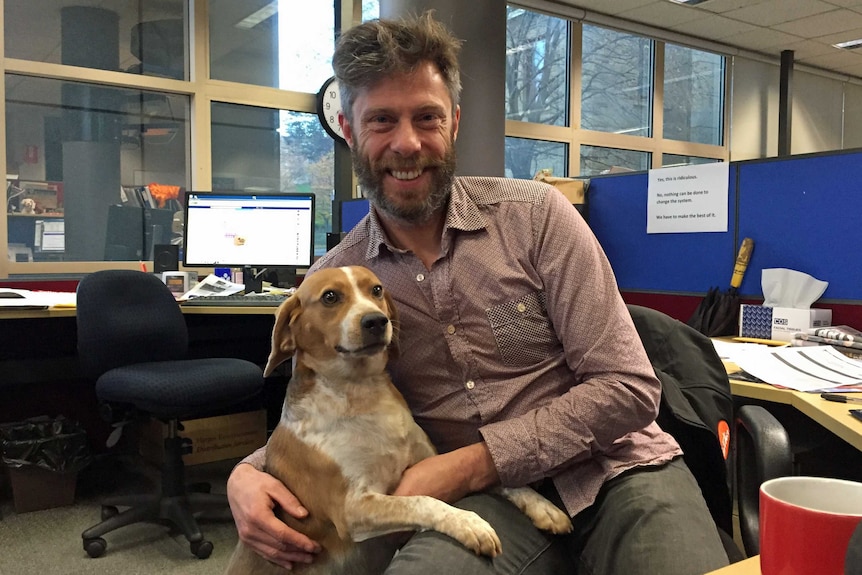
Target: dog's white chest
372	445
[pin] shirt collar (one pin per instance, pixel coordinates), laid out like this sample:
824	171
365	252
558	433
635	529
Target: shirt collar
462	214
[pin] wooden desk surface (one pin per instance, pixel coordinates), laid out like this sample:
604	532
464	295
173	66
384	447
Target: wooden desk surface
750	566
189	310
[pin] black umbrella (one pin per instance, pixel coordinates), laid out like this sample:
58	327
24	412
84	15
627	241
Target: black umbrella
718	313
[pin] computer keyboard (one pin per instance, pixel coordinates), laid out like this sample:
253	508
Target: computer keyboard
238	300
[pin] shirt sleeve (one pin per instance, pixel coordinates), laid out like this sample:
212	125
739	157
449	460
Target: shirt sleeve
257	459
612	390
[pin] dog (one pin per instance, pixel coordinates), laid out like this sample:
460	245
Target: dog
28	206
346	435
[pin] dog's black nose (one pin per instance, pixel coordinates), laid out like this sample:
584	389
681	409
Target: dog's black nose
374	324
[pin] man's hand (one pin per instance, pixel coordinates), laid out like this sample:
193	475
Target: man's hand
451	476
253	495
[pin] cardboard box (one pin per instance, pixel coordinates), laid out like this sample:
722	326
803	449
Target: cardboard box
34	488
779	323
213	438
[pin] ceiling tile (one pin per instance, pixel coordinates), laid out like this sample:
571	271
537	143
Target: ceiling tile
613	8
774	12
762	40
845	36
714	27
663	14
809	49
839	58
822	24
720	6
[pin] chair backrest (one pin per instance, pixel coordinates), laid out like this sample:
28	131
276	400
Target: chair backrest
696	403
126	317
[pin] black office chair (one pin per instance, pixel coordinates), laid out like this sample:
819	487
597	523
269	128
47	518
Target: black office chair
697	409
133	340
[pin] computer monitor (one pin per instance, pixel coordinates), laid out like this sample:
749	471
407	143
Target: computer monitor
248	229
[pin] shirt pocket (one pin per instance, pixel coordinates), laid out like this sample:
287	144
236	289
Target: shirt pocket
522	330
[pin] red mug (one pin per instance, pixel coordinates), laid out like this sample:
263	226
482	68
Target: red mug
806	524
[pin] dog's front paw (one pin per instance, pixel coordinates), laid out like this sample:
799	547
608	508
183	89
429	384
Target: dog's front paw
544	514
472	532
548	517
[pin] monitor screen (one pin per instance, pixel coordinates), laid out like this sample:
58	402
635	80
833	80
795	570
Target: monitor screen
248	229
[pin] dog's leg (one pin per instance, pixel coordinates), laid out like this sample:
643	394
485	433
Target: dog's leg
373	514
544	514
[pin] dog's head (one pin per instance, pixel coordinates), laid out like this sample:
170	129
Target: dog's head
28	205
340	322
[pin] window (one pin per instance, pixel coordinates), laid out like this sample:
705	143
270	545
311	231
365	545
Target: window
78	150
596	160
616	92
109	118
693	95
524	158
536	65
269	150
588	100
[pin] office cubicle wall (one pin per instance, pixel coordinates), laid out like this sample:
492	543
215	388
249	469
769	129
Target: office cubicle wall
663	262
803	212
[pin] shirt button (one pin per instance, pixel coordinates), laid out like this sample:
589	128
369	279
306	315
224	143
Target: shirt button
420	277
522	308
470	384
450	330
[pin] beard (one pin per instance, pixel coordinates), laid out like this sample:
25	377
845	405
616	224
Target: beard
371	175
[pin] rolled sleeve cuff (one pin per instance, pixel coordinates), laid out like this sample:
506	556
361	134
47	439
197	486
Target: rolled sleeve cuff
515	452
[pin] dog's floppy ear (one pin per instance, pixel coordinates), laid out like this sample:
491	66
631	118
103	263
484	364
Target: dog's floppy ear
394	345
283	344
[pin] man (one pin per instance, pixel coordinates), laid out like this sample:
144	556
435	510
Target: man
518	355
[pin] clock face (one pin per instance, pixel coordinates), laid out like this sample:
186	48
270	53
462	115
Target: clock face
328	107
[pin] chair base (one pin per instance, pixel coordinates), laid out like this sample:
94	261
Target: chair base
175	503
179	511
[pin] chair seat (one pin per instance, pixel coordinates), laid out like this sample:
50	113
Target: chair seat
176	389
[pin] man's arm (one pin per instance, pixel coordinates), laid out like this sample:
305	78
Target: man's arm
451	476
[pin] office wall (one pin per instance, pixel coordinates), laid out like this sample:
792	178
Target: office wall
818	119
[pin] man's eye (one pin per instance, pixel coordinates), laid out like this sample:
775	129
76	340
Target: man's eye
377	291
330	297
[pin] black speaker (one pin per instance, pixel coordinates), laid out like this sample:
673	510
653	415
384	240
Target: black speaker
166	258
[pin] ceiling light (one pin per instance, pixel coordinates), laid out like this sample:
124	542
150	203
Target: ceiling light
259	16
850	44
688	2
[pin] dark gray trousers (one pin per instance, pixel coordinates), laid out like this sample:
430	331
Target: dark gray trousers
647	521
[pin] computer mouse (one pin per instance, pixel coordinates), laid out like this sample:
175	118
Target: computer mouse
10	294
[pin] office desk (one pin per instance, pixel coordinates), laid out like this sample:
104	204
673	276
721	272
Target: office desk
40	373
833	416
750	566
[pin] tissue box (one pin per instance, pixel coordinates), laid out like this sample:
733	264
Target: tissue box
779	323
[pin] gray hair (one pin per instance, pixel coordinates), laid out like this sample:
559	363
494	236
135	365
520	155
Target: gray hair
376	49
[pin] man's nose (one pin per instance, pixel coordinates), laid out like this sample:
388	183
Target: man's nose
405	139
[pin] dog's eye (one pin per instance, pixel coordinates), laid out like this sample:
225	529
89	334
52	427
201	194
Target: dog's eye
377	291
330	297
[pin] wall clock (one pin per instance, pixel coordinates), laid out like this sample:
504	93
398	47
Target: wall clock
328	107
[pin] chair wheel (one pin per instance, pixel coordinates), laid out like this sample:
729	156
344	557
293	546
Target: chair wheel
109	511
95	547
201	549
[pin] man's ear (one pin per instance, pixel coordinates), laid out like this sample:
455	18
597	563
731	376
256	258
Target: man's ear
283	344
345	128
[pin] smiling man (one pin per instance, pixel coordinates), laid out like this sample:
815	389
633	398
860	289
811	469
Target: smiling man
518	356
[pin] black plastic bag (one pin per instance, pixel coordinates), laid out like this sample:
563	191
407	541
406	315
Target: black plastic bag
58	444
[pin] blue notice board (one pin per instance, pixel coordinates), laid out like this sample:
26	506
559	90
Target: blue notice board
674	262
804	213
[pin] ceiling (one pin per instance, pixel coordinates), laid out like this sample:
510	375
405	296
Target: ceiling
766	27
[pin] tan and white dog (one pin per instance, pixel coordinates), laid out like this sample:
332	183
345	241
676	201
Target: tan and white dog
346	435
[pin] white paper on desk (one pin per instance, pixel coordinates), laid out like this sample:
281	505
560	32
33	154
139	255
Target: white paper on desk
802	368
212	285
36	299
